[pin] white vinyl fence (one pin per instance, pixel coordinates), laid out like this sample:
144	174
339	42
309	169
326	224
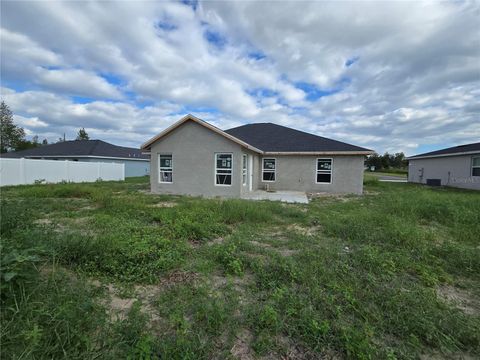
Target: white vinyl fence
27	171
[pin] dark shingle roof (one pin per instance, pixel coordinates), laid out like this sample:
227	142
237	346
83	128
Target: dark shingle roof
80	148
451	150
270	137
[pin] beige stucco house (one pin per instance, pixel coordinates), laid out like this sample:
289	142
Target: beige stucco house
193	157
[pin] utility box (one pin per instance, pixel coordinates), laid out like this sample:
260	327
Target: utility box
434	182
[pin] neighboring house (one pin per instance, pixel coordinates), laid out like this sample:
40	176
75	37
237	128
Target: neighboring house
136	163
194	157
458	166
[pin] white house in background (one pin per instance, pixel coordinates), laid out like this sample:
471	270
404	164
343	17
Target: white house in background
458	166
136	163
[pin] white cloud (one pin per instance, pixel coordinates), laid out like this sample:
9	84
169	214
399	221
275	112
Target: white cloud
413	80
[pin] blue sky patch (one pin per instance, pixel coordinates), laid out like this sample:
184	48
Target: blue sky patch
82	99
51	67
192	3
314	92
352	61
256	55
112	79
165	25
262	92
215	38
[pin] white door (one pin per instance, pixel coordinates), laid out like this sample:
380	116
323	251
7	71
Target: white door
250	172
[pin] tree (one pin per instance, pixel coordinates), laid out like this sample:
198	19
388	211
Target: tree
374	160
44	142
82	135
11	135
35	142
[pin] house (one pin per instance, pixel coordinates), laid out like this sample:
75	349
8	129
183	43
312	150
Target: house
458	166
194	157
136	163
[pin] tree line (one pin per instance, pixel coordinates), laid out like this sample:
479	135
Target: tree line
12	136
387	161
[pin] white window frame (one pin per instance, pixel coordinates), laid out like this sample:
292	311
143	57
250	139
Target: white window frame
269	170
164	169
231	169
323	171
473	166
244	169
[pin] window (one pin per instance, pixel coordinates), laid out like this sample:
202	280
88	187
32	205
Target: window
244	169
268	170
324	171
223	169
165	168
476	166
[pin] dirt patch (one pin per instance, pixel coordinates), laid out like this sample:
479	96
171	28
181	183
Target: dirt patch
287	252
176	277
118	306
89	207
261	244
216	241
451	356
163	204
459	298
242	348
332	197
42	222
371	193
306	231
281	251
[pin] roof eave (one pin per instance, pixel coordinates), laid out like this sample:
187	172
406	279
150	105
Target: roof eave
416	157
362	152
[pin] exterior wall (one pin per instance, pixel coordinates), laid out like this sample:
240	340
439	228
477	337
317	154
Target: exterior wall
299	173
453	171
193	149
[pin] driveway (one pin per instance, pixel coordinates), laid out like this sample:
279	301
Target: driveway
392	178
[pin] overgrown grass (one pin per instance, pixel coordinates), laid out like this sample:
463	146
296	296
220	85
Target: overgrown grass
346	277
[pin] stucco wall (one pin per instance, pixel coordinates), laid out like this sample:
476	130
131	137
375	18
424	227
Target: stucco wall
453	171
193	149
299	173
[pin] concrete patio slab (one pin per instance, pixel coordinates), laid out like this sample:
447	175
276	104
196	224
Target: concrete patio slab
284	196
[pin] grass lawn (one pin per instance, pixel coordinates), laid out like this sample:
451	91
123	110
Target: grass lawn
369	174
106	270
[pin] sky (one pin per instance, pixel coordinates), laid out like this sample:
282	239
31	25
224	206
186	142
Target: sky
389	76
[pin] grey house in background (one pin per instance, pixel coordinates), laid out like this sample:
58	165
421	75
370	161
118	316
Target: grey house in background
136	163
193	157
457	166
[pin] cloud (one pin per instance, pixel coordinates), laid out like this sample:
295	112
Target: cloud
390	75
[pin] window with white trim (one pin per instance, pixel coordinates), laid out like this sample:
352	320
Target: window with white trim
244	169
223	169
324	171
166	168
269	167
476	166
